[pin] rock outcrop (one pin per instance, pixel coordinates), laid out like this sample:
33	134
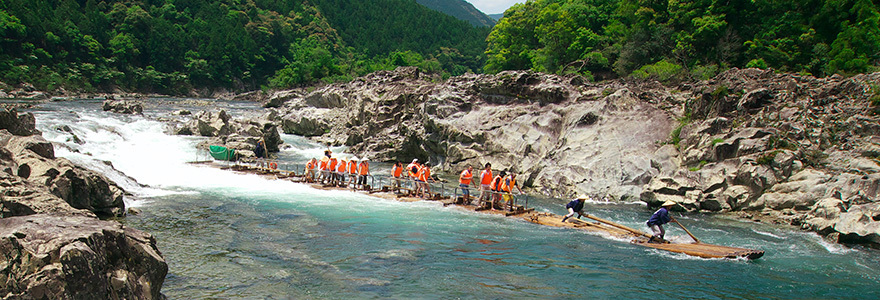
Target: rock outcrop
53	256
53	244
798	149
752	140
562	135
241	134
32	159
123	106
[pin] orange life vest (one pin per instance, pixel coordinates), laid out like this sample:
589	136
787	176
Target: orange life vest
364	168
310	165
486	177
324	162
332	164
352	167
342	165
508	183
409	169
465	177
396	171
496	183
424	174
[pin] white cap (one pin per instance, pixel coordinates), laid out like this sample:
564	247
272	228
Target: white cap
415	159
365	159
354	158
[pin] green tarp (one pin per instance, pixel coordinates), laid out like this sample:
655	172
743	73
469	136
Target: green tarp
222	153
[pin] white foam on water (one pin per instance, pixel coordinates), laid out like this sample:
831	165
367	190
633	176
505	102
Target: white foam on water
764	233
833	248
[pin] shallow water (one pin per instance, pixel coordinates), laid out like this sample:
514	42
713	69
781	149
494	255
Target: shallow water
234	236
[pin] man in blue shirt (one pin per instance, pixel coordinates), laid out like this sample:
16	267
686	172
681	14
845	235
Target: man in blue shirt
575	206
660	217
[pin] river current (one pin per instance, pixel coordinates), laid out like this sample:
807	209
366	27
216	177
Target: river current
235	236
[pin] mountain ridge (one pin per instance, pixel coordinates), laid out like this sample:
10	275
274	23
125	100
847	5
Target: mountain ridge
460	9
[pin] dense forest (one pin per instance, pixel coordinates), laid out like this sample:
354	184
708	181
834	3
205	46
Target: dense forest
174	46
686	38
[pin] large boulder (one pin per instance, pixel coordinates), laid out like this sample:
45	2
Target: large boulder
824	215
123	106
860	224
304	124
210	124
16	123
77	257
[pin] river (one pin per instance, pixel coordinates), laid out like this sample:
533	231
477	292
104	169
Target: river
236	236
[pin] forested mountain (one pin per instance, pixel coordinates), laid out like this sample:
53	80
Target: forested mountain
460	9
496	17
173	46
694	38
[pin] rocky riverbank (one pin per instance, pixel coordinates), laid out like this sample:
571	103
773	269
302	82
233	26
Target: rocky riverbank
766	146
55	238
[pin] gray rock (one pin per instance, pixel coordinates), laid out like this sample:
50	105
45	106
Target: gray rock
860	224
22	124
123	106
76	257
824	215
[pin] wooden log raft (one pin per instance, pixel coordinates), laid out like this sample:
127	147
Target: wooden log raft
640	238
597	224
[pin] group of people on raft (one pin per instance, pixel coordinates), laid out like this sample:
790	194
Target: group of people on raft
656	222
494	189
331	170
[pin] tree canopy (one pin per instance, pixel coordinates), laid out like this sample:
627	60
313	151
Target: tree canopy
173	46
696	38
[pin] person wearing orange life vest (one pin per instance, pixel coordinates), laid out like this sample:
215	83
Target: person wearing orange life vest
485	181
424	178
353	170
396	173
310	170
341	169
496	189
413	168
363	171
464	182
331	168
325	163
507	185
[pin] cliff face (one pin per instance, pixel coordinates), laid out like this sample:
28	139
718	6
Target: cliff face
798	149
52	243
748	140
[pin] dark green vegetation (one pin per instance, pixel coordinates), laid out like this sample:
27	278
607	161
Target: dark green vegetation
460	9
174	46
675	40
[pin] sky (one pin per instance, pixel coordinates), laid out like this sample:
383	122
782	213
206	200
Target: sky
494	6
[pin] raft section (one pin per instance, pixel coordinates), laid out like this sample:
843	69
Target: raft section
596	224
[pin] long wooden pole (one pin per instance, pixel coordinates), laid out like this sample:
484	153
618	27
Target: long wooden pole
636	232
686	230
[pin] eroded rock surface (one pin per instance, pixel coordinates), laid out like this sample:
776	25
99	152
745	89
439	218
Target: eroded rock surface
52	256
52	243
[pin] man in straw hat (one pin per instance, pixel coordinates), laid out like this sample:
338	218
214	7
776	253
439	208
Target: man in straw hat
660	217
575	206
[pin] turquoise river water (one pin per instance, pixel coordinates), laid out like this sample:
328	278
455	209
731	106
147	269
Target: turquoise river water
234	236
